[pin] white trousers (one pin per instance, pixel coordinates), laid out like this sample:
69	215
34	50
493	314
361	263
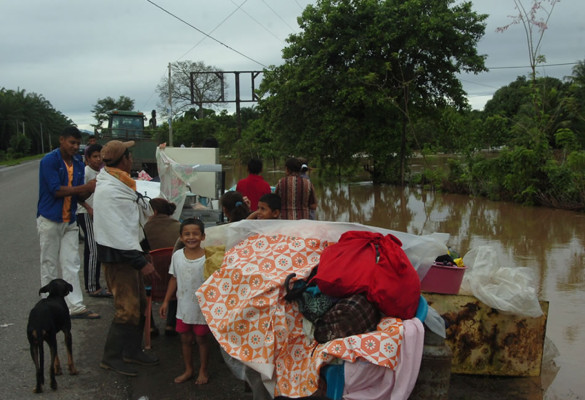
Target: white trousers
60	246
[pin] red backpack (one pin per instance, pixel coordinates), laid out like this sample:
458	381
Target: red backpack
373	264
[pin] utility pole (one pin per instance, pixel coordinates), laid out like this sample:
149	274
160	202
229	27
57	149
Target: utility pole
42	143
171	110
253	75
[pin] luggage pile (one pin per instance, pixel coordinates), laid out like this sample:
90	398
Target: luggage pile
361	277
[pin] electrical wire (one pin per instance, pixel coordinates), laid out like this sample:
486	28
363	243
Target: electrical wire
259	23
213	30
203	33
275	13
538	66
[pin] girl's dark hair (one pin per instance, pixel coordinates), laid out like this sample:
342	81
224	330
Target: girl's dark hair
192	221
162	206
293	164
234	205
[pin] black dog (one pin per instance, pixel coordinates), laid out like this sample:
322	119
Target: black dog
48	317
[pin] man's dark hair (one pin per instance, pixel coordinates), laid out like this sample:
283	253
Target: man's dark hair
93	148
91	137
272	200
293	165
255	166
71	131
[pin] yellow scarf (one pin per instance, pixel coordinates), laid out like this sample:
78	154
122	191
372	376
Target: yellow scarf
123	176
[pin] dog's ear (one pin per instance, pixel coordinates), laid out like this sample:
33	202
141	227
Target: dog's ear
44	289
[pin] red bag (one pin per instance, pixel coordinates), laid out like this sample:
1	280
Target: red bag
374	264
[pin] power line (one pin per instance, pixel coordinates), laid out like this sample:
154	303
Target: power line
217	26
275	13
538	66
209	36
259	23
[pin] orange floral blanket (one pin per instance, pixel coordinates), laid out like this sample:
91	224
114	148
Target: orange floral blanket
244	307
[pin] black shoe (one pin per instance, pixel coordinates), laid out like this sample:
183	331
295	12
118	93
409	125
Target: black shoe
119	367
142	358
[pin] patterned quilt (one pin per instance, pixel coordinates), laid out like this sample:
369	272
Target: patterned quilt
244	307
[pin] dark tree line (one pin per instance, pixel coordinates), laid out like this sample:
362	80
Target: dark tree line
28	124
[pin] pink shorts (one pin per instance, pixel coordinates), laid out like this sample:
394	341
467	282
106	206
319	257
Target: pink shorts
198	329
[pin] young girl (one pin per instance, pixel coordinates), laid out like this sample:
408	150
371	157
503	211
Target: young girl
187	276
234	206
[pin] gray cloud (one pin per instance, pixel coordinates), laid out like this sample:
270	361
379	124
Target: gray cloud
75	52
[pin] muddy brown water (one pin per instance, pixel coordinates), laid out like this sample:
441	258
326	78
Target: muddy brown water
550	242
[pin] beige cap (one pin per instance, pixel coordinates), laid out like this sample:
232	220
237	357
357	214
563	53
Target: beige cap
114	150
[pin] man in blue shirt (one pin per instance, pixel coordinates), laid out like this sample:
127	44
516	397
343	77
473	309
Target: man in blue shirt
61	186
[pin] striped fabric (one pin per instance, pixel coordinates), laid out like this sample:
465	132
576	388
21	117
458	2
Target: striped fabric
296	195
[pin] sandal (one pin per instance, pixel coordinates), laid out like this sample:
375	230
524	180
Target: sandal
85	315
103	292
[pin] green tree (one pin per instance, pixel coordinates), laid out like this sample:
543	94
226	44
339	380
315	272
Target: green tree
360	70
103	106
207	87
575	102
32	116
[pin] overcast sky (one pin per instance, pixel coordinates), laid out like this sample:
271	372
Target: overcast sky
76	52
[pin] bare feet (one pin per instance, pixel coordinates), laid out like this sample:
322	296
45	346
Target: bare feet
187	375
202	379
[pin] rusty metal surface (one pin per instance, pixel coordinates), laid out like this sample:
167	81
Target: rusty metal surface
485	341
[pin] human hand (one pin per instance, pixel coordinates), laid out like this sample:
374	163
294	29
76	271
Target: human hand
254	215
90	185
163	310
149	271
247	201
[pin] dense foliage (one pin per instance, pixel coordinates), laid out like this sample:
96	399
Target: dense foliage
360	71
28	124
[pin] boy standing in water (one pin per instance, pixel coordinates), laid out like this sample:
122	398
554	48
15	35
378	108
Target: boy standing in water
186	268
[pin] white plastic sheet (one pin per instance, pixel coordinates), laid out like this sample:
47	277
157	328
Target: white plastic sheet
509	289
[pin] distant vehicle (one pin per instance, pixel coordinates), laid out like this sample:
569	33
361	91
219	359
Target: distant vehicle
129	125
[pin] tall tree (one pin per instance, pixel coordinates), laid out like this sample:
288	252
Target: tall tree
30	115
207	87
103	106
359	70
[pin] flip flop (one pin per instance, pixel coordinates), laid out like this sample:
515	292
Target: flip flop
87	314
103	292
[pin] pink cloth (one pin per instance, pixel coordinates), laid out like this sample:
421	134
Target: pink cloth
366	381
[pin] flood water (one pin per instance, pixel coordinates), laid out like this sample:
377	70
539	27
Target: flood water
551	242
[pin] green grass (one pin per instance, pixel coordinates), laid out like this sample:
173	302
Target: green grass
16	161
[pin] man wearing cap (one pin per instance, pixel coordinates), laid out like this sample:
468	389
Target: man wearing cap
119	214
61	186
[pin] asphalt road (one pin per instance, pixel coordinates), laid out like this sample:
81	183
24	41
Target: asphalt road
19	285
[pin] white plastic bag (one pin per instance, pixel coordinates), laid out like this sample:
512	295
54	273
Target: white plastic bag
509	289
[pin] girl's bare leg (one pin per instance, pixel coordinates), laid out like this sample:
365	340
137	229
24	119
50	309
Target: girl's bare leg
203	344
187	346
